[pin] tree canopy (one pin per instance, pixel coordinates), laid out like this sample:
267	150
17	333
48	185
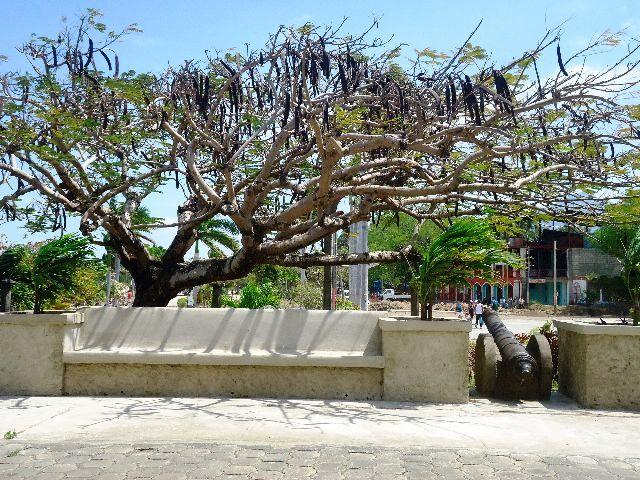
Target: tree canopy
277	139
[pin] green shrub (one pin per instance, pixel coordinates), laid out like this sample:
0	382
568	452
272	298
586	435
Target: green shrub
307	295
344	304
183	302
254	296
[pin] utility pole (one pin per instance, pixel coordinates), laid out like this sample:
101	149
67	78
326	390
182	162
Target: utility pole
555	276
327	276
359	274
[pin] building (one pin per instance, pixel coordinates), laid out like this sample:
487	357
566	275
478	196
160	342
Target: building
576	261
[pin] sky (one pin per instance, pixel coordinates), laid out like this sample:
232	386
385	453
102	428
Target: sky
174	31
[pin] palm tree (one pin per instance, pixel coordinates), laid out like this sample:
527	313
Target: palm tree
216	234
468	248
50	271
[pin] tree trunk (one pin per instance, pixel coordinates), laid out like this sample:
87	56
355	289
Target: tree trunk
216	295
415	303
154	292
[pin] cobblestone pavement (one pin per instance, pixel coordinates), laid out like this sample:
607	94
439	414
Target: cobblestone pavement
212	461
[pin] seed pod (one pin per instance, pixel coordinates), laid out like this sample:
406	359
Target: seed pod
560	63
343	78
313	71
55	56
106	59
447	99
325	65
287	108
296	119
454	100
261	60
177	181
89	54
117	70
205	99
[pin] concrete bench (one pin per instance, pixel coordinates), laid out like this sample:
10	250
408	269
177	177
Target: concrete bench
178	352
234	352
226	337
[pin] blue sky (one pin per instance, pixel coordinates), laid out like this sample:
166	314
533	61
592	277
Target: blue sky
177	30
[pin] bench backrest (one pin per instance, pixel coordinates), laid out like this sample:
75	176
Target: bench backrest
228	330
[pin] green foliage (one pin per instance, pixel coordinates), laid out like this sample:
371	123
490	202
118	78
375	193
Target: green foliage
254	296
156	251
216	233
344	304
10	435
468	248
307	295
393	233
49	273
623	242
183	302
283	279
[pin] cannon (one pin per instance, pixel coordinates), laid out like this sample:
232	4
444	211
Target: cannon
504	368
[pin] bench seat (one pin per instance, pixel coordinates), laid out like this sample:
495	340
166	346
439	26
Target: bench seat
257	358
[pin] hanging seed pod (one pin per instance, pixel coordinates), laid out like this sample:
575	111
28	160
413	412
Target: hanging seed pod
205	95
454	99
287	108
560	62
472	100
277	67
313	71
89	54
343	78
296	119
117	68
261	59
106	59
325	65
177	181
300	97
55	55
447	99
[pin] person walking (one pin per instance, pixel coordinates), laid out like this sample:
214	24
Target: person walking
471	310
479	314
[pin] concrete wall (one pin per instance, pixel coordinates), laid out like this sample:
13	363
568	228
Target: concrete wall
236	353
585	261
31	352
599	365
332	383
425	361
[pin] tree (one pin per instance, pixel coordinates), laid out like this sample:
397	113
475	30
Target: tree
217	233
466	249
51	271
623	242
394	232
276	139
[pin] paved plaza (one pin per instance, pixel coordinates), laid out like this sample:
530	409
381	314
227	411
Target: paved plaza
164	438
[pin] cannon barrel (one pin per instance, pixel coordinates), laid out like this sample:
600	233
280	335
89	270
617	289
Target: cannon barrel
514	354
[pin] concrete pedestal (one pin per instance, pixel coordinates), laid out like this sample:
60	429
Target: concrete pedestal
31	349
425	361
599	365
